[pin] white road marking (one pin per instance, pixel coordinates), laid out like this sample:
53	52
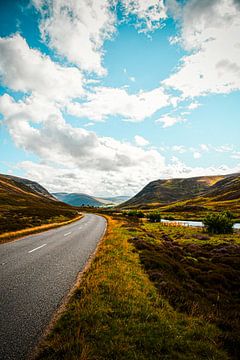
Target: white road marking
39	247
67	233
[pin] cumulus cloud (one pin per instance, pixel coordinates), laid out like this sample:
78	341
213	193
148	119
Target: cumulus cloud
34	107
150	13
210	32
168	120
193	105
125	182
197	155
140	140
106	101
77	29
179	149
28	70
59	142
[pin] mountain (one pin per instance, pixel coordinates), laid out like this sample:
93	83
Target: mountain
32	185
197	190
78	199
115	199
25	203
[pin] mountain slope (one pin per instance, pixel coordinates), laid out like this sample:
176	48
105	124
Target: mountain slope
116	199
24	204
33	186
78	199
195	191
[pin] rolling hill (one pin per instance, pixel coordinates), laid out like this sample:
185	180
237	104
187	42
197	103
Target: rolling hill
25	203
190	194
79	199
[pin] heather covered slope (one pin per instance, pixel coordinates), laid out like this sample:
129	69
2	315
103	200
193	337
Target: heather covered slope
223	195
198	190
25	204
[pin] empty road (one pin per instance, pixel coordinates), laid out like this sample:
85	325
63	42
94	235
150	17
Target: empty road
36	273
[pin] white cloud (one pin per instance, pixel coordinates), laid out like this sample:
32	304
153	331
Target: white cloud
197	155
58	142
105	102
210	31
34	107
223	148
140	141
89	124
77	29
236	155
28	70
150	13
179	149
204	147
193	105
168	120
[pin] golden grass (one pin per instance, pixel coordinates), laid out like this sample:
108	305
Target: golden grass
15	235
117	313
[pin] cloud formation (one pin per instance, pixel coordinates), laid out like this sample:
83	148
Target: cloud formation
210	31
77	29
28	70
169	120
105	101
150	13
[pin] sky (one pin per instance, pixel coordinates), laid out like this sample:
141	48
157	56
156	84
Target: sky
102	97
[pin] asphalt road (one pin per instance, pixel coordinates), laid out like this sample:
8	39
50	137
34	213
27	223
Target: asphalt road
36	273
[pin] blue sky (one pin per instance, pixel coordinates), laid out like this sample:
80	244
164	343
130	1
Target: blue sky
104	97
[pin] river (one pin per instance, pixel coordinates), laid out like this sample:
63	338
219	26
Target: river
193	223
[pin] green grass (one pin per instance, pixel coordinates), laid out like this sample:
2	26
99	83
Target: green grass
117	312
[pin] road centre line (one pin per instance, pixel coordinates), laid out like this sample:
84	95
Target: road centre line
67	233
39	247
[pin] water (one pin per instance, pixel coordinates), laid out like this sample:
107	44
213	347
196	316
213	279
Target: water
193	223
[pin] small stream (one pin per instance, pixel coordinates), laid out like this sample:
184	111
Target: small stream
193	223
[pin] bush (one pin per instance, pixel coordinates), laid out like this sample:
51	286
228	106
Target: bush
135	214
154	216
220	223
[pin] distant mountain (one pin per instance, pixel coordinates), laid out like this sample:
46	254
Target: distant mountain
196	189
78	199
115	199
25	203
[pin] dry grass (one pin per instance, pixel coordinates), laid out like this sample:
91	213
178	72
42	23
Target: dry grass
117	313
13	235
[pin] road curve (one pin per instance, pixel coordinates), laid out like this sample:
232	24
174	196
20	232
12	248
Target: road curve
36	273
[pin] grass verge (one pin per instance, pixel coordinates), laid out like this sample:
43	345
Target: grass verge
14	235
117	313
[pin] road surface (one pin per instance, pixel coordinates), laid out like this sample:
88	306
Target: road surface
36	273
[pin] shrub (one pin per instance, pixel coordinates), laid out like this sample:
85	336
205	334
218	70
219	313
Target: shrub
135	214
220	223
154	216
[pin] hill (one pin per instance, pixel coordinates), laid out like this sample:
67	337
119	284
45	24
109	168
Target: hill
25	203
116	199
79	199
190	194
33	186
